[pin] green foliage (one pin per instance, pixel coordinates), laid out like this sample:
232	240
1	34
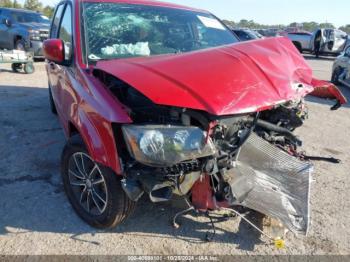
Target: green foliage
16	4
249	24
48	11
345	28
307	26
34	5
6	3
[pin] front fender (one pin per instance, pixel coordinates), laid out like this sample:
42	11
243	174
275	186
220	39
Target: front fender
99	139
92	111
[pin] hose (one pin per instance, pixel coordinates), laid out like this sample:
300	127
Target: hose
278	129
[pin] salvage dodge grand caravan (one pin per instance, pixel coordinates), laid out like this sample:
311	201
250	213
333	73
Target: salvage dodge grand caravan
162	100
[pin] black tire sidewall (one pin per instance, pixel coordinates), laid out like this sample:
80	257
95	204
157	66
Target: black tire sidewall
16	67
298	46
335	76
117	199
29	68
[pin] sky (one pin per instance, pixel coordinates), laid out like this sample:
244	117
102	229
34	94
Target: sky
272	11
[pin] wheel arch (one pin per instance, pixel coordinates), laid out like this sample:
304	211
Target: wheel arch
298	45
334	70
16	38
98	137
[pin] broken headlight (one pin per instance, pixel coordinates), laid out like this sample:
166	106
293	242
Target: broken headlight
166	145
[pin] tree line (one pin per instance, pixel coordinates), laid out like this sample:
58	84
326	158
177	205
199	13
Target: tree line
307	26
34	5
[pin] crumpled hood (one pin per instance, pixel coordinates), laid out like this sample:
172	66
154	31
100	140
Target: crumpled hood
239	78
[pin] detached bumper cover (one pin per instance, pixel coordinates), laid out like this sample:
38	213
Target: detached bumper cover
328	90
268	180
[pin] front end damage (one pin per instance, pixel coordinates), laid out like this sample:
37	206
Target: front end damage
272	182
246	161
247	157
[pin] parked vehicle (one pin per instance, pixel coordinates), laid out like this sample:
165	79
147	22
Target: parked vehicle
161	99
19	60
269	32
333	41
23	30
246	34
301	40
341	68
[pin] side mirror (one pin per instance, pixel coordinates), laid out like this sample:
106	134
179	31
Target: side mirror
53	50
7	22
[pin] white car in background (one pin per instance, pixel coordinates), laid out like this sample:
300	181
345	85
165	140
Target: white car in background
341	68
333	41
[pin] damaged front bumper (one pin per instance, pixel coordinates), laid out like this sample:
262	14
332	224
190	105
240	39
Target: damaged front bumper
271	181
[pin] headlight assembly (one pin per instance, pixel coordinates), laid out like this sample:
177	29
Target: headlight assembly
166	145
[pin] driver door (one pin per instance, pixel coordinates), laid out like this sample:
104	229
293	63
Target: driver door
53	69
340	39
347	65
327	42
323	33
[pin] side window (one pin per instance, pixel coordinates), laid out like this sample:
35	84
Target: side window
56	21
65	32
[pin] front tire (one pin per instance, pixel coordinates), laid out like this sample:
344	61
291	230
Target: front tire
93	190
335	76
16	67
298	46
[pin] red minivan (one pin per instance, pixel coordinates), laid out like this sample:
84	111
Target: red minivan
162	100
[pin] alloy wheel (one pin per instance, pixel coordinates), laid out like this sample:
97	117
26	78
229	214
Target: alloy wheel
87	183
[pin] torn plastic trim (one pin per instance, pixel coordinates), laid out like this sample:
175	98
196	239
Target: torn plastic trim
324	89
270	181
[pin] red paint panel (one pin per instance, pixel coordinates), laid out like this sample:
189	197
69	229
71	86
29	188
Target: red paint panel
53	50
239	78
325	89
202	194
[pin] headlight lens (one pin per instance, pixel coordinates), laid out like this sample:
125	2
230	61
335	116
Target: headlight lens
152	142
166	145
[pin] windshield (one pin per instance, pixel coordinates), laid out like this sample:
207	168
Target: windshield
22	17
126	30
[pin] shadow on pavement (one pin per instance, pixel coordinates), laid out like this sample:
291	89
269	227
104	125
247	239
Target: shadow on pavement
32	197
321	58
